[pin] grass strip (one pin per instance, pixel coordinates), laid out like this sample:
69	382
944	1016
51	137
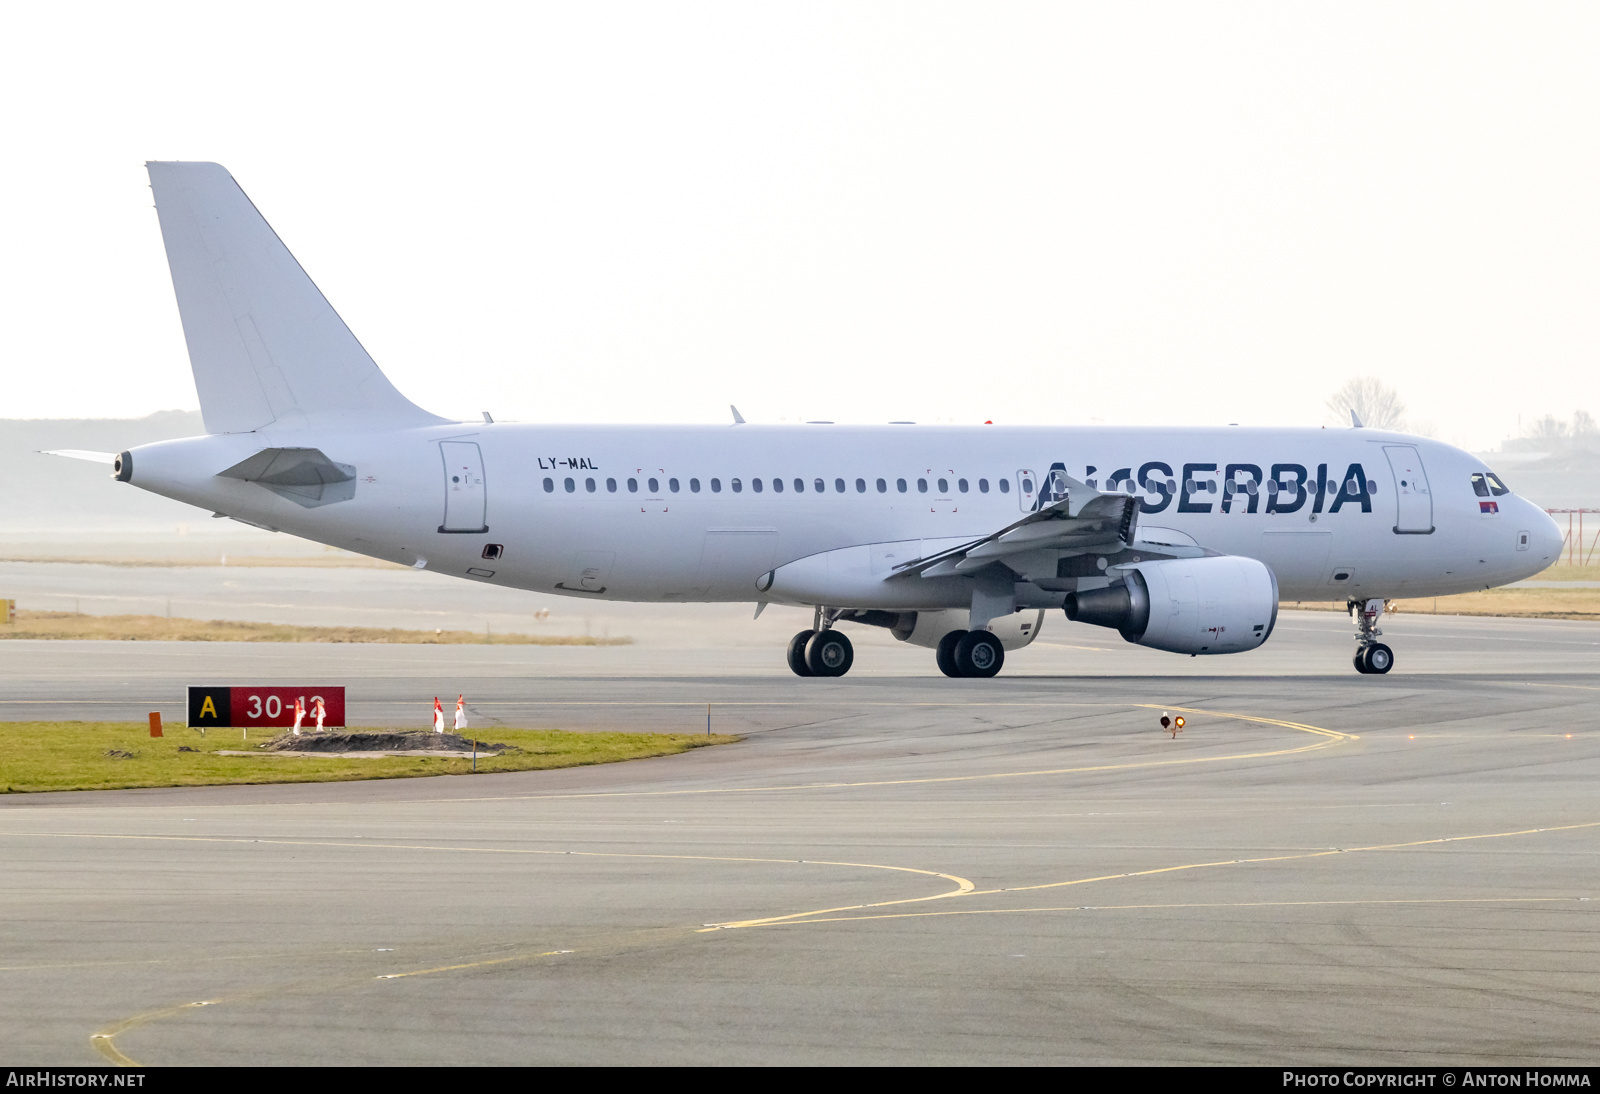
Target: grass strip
156	628
41	756
1581	604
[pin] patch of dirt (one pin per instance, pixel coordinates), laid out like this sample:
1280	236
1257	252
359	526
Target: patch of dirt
421	740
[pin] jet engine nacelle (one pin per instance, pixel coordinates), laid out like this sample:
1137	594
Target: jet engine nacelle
926	628
1220	604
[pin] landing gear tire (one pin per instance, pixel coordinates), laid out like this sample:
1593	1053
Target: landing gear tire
829	653
797	653
1361	661
945	654
1379	658
979	654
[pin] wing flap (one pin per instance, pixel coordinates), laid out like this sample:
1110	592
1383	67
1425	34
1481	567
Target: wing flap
1083	519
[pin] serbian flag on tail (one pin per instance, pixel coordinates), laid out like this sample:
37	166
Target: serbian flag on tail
438	716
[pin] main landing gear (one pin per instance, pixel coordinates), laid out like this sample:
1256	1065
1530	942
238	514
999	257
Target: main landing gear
1373	658
821	651
970	653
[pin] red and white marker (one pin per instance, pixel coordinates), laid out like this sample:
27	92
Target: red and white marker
461	712
320	710
299	715
438	716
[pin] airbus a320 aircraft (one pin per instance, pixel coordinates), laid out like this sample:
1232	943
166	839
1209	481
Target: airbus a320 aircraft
959	539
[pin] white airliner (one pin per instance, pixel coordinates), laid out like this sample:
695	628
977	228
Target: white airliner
959	539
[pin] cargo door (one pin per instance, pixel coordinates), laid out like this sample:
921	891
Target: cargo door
732	560
1413	500
1299	560
465	500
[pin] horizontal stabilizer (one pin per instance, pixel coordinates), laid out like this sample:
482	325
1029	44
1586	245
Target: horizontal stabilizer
107	458
267	348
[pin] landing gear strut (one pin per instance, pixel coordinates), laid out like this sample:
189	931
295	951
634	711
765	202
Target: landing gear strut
1372	658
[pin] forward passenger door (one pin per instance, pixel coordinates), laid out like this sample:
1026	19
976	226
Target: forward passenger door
1414	502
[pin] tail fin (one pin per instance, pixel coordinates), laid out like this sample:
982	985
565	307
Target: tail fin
266	347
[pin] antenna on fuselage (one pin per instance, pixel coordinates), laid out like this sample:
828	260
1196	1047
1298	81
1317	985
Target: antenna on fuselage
738	419
1355	419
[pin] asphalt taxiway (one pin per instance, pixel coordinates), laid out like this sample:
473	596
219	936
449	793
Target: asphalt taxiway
889	868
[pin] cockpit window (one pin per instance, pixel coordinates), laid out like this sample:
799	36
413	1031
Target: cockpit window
1485	483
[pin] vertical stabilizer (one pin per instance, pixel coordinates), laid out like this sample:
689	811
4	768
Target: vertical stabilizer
267	348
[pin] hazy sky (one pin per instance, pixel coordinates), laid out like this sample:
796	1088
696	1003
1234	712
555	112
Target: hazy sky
1132	213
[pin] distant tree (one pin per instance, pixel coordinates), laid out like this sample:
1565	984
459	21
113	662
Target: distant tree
1583	424
1375	403
1549	429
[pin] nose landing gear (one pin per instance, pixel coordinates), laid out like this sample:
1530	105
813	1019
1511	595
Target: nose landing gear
1373	658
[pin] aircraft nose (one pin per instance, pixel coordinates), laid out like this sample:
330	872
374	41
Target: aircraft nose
1547	536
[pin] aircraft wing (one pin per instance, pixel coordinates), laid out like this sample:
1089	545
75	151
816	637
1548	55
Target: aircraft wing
1084	519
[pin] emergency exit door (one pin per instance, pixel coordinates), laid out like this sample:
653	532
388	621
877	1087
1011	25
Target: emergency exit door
465	499
1027	490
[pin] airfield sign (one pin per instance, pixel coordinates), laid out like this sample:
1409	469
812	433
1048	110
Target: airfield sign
267	707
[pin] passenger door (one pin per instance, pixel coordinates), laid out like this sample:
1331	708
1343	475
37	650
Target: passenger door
1413	500
465	499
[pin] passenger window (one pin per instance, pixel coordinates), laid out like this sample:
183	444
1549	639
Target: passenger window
1005	486
570	485
716	486
755	484
588	484
900	485
633	486
777	485
549	486
883	487
1496	487
611	486
822	487
1027	485
672	484
735	483
694	486
655	486
961	485
944	486
1480	485
861	486
983	486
